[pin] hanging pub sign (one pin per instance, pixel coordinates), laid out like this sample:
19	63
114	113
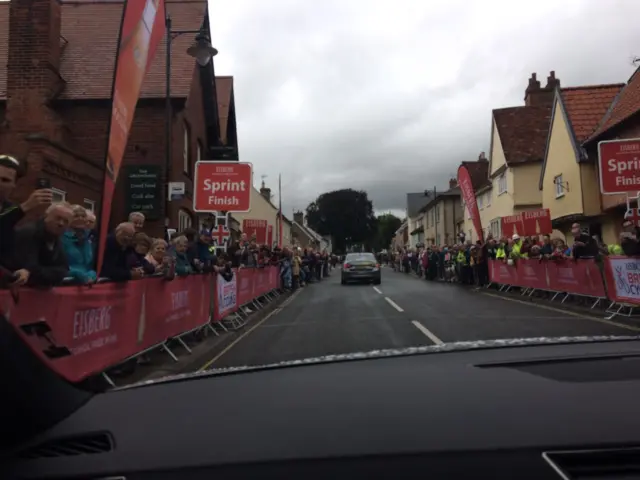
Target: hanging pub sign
143	190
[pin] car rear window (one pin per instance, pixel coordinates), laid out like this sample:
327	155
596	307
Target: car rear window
361	256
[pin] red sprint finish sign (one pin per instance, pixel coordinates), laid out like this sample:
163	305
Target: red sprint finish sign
619	166
222	186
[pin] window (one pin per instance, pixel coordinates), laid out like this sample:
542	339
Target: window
186	166
487	201
557	181
502	184
433	217
494	228
184	220
59	195
89	204
481	201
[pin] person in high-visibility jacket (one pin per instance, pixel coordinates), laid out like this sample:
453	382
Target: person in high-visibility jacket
615	249
516	247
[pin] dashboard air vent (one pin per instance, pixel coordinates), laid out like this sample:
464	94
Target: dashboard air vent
608	464
70	446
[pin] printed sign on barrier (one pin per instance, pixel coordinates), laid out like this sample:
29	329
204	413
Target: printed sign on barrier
226	292
623	275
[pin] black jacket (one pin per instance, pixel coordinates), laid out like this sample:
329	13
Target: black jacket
114	264
10	215
40	253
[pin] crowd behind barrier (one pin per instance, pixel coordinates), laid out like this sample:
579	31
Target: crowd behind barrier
82	331
588	273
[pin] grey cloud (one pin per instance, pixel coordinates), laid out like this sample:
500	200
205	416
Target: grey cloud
391	96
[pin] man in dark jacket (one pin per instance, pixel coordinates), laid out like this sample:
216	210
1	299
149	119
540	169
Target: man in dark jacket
10	213
116	250
38	250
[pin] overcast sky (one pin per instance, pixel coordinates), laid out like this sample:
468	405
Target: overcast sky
390	96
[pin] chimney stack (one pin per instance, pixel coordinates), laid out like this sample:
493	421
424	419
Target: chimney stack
33	65
298	217
265	192
453	183
482	157
33	81
535	96
552	81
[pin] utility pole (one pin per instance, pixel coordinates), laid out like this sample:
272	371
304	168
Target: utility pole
435	216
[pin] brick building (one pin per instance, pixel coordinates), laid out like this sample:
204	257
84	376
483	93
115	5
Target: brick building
56	71
621	121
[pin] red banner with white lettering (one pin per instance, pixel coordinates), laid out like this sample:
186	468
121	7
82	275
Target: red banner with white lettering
529	224
511	225
141	31
581	277
79	331
469	198
255	228
536	222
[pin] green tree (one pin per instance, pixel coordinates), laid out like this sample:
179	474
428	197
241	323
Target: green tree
387	224
346	215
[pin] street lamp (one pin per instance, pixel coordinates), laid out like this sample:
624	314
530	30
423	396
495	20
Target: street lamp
203	52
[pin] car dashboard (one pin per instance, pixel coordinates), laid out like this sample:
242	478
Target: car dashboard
561	410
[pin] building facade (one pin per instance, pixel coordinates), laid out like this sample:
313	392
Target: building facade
55	105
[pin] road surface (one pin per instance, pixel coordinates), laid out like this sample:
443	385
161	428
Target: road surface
404	311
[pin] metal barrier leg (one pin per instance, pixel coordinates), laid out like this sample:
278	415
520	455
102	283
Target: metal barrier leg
221	325
108	379
182	342
168	350
210	327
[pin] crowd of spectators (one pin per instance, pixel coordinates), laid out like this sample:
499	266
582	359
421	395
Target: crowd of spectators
466	262
57	244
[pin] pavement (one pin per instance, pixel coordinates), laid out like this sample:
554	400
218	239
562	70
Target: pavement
328	318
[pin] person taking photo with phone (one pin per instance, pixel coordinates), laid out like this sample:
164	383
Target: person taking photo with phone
11	214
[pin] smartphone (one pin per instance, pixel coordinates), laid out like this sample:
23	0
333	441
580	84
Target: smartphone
43	183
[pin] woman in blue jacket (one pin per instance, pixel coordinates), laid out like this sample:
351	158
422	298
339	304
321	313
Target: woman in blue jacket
78	247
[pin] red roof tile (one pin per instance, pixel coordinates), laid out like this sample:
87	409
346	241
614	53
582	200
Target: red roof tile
626	104
587	105
479	173
87	62
523	132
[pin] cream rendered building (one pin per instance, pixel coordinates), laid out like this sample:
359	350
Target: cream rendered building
568	180
518	144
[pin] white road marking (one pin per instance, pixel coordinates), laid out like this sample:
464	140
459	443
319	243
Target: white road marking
378	290
393	304
427	332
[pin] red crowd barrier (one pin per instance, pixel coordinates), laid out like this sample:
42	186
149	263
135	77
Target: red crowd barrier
581	277
82	331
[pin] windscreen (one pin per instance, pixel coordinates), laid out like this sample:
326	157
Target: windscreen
356	210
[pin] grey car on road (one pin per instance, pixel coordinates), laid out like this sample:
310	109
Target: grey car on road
361	267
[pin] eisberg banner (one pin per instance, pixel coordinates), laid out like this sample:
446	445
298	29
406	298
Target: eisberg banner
141	31
469	198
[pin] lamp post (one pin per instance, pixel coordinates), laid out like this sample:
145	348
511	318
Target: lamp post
203	52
